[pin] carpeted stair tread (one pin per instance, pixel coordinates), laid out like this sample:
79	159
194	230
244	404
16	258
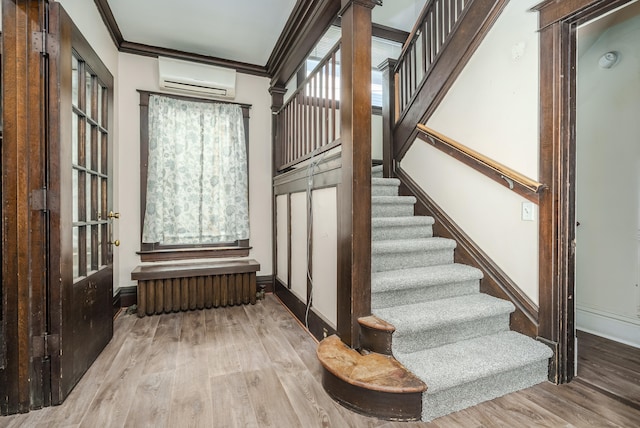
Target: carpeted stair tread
428	276
406	227
402	221
392	200
376	171
426	316
461	362
380	181
412	245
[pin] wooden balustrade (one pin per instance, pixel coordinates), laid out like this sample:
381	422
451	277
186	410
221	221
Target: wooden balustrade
309	123
425	43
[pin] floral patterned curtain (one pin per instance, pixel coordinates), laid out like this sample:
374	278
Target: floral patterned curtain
197	190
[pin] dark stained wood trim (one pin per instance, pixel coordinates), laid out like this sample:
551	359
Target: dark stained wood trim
24	216
553	11
473	27
495	281
376	335
155	51
327	174
192	253
558	22
265	283
318	327
354	197
187	270
109	21
388	113
389	33
483	168
126	296
155	252
306	24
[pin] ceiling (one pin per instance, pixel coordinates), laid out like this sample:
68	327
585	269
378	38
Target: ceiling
240	30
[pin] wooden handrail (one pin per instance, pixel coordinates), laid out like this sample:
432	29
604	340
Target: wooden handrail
510	176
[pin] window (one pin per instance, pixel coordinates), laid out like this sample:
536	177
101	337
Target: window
194	178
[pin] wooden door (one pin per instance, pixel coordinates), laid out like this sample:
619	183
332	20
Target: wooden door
79	153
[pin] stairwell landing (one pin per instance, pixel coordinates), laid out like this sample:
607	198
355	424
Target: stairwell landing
444	331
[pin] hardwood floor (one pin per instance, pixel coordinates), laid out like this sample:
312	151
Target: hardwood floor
254	366
612	368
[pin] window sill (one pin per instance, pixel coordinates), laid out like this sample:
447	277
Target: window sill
192	253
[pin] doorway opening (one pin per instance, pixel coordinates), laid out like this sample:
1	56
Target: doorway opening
607	202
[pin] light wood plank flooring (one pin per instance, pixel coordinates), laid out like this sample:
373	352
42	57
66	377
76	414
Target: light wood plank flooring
612	368
254	366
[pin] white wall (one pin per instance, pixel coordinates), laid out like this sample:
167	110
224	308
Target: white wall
492	108
608	187
137	72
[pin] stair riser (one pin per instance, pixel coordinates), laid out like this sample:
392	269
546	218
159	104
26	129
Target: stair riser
384	190
401	232
431	338
391	210
403	260
438	403
423	294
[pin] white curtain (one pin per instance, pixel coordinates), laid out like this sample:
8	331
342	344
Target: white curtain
197	190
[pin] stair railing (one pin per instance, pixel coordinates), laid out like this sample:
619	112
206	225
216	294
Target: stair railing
519	183
309	122
424	45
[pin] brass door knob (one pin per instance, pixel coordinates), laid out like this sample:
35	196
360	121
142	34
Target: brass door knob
116	243
113	215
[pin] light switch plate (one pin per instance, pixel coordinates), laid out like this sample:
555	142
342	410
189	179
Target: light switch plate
528	211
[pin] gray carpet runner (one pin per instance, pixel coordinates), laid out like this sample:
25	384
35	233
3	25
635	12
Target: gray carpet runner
453	337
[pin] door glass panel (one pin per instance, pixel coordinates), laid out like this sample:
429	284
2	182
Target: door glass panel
99	246
100	95
89	253
89	94
76	253
74	81
74	138
90	214
89	144
74	196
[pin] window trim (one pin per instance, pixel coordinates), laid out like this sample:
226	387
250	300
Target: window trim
156	252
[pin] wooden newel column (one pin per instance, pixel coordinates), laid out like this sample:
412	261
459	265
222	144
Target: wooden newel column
354	200
389	113
277	101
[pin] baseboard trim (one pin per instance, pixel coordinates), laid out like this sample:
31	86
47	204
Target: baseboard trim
601	324
318	327
265	282
495	282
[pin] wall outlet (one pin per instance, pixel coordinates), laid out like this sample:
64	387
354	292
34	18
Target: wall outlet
528	211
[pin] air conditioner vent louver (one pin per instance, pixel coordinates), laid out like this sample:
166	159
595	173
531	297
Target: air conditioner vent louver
194	78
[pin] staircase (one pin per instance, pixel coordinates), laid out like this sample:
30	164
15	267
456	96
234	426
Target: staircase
440	327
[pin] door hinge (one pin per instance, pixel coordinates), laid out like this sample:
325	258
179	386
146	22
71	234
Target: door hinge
42	42
45	345
38	200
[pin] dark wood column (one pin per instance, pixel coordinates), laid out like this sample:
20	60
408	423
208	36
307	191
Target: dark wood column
389	114
24	380
354	204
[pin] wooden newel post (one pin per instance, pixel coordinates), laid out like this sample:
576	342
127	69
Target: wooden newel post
277	101
388	113
354	212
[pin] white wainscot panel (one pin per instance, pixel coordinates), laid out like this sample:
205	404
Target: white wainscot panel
325	254
282	241
299	245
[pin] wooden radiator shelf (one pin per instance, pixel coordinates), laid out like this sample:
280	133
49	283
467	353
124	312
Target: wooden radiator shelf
165	288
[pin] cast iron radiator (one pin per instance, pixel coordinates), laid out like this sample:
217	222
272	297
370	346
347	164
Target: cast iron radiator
168	288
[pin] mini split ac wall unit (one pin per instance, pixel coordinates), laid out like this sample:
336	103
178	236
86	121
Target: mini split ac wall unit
197	79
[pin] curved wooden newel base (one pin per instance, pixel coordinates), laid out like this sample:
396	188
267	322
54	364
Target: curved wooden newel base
375	334
373	384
